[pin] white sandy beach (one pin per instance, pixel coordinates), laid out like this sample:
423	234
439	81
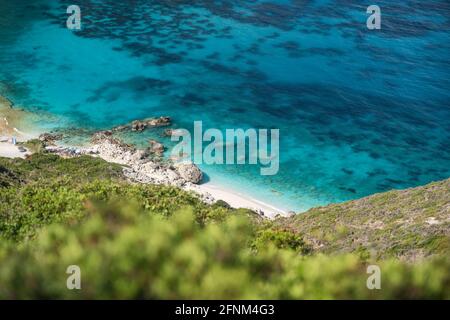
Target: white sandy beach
238	200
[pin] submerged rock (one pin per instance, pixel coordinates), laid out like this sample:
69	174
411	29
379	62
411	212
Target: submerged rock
190	172
101	136
167	133
122	128
49	138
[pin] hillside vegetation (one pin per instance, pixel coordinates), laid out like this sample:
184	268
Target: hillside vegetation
147	241
408	224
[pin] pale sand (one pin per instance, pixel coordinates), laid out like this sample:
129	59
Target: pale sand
8	150
238	200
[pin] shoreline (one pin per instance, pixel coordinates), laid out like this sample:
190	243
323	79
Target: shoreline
239	200
139	169
144	171
140	172
8	129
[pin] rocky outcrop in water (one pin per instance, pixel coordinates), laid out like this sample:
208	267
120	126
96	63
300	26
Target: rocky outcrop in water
49	139
141	125
167	133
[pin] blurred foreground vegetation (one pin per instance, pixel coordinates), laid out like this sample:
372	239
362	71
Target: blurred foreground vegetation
155	242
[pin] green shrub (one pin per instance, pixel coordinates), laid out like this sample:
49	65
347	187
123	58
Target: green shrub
157	242
44	168
34	145
223	204
125	253
7	177
46	189
282	239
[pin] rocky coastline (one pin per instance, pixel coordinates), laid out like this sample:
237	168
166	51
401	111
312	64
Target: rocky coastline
146	166
140	166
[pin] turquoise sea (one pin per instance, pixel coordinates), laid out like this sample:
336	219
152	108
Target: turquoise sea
359	111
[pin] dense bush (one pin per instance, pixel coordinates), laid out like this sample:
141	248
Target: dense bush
24	209
47	189
280	238
46	168
146	241
125	253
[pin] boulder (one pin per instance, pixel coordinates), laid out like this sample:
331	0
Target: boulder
167	133
141	125
189	172
156	147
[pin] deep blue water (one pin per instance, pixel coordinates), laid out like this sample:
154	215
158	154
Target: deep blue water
359	111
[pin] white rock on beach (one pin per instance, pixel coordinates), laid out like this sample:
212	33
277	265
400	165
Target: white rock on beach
190	172
140	167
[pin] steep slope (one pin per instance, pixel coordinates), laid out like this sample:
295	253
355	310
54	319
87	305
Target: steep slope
409	224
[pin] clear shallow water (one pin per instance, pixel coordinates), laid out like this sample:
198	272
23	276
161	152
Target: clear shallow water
359	111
